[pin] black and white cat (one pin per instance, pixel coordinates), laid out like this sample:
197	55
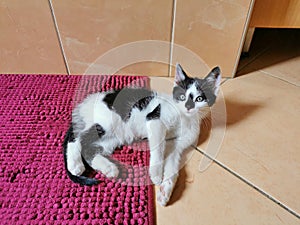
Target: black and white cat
106	120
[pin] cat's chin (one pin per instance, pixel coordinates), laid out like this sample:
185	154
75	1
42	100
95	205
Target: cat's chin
191	112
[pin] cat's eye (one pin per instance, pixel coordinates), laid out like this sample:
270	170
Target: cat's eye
199	99
181	97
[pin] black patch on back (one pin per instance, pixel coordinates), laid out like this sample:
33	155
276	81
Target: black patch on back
110	98
124	100
88	138
143	103
155	114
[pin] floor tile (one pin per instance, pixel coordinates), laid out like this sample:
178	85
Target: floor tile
288	70
101	35
28	39
216	197
262	136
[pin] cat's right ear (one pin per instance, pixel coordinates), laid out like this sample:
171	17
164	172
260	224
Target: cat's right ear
180	75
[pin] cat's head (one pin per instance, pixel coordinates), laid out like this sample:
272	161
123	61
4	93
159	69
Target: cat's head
193	94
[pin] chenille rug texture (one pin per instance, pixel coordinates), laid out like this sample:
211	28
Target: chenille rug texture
35	112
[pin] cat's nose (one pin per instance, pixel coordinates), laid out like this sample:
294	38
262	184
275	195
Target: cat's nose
189	106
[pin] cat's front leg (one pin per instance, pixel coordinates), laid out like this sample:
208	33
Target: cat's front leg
156	137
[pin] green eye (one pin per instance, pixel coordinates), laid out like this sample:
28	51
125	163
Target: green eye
181	97
199	99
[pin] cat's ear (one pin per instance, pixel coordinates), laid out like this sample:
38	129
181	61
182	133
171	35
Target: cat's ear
180	75
213	79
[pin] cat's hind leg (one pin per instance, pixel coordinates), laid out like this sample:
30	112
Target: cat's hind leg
94	146
175	160
74	161
171	169
72	154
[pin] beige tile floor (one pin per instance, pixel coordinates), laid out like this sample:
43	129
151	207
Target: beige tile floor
255	176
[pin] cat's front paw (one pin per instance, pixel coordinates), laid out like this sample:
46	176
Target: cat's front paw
111	171
76	168
156	174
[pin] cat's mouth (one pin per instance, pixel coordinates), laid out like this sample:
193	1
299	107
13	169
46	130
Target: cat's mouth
190	112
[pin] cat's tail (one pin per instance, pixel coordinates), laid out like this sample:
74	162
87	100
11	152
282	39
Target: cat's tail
76	179
82	179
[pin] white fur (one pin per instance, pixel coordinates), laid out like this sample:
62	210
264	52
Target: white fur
75	164
103	165
174	121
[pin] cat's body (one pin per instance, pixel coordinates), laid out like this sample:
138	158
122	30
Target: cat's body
104	121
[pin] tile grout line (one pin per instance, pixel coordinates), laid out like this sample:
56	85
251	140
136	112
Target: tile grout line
59	37
279	78
172	37
225	79
264	193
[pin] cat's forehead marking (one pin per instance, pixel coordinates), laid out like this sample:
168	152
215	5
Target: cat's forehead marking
192	90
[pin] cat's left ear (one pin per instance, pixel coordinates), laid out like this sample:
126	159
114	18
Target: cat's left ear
214	79
180	75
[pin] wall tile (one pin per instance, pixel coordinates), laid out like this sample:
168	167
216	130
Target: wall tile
212	30
91	28
28	39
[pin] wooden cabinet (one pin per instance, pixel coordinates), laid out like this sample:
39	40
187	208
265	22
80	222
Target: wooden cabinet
276	14
273	14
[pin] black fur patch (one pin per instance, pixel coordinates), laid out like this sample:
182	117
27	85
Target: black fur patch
207	88
186	83
155	114
182	87
110	98
143	103
70	136
177	91
124	100
190	103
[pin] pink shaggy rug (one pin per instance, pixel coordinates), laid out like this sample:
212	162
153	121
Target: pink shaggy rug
35	112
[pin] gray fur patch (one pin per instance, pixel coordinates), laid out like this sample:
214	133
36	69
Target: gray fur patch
87	140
